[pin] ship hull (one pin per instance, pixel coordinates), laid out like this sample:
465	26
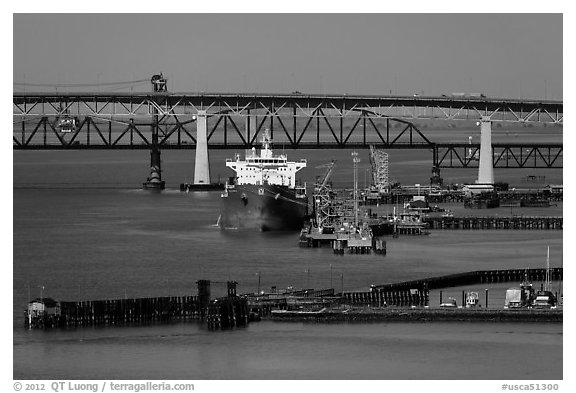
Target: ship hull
262	207
186	187
382	228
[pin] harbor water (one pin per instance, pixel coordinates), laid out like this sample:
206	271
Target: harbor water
83	229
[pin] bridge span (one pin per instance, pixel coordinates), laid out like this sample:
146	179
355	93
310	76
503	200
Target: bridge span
130	105
164	120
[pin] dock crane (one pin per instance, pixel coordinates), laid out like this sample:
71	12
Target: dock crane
379	164
323	208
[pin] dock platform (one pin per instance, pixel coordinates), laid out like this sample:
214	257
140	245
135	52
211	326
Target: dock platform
342	241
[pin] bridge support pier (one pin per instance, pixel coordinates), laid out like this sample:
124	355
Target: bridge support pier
486	168
154	181
202	163
435	180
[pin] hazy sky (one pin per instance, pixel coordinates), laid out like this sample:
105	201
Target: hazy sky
506	55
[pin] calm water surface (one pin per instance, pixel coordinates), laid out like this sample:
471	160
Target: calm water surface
95	235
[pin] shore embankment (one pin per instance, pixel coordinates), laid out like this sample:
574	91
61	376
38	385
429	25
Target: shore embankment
421	315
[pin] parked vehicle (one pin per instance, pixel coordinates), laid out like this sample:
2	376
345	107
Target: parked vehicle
472	299
520	297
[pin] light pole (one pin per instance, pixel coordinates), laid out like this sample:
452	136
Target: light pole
355	160
341	283
307	271
258	291
42	298
331	276
42	287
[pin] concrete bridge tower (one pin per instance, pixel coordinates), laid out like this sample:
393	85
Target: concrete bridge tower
486	168
202	163
485	181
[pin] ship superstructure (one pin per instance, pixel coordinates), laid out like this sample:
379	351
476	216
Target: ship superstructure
265	168
264	192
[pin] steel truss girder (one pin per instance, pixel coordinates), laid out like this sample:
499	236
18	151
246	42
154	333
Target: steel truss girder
310	122
316	129
134	105
459	155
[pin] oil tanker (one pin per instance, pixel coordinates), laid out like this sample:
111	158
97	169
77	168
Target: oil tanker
264	193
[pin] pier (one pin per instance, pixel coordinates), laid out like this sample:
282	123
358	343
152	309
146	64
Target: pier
395	296
238	310
516	197
416	292
342	242
262	305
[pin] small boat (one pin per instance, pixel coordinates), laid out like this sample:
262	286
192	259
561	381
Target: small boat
382	226
545	299
483	200
450	303
410	223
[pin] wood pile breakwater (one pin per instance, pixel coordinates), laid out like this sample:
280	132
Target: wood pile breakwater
227	313
479	277
514	222
114	312
223	312
138	311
